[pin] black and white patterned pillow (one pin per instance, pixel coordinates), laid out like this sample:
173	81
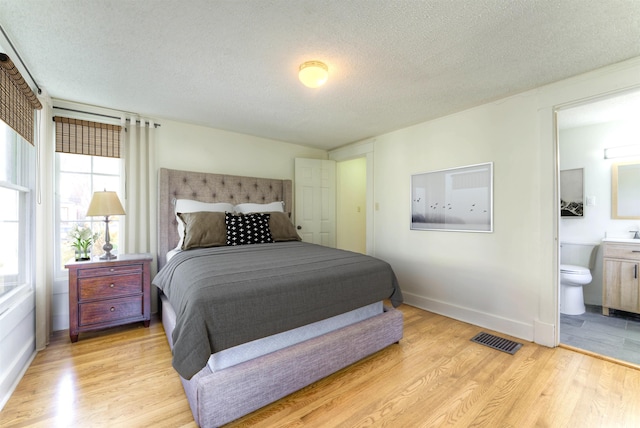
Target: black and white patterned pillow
248	229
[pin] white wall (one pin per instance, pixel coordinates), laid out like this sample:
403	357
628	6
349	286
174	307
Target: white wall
198	148
479	277
583	147
506	280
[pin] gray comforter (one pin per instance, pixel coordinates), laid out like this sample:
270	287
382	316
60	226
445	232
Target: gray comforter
226	296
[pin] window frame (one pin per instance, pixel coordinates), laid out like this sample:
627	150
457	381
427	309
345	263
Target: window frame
96	223
24	184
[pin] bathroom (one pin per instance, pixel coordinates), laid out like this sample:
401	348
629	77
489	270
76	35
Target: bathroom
585	131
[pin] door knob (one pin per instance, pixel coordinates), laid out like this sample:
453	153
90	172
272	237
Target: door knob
299	227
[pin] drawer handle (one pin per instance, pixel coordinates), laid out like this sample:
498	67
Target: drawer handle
635	251
635	271
112	309
111	285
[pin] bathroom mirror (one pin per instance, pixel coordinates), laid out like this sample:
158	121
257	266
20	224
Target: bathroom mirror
625	190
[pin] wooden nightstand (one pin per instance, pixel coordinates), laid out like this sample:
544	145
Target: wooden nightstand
109	293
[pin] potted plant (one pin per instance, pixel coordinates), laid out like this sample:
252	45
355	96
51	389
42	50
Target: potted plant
81	238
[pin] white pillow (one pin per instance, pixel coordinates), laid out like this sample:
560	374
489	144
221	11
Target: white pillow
259	208
191	206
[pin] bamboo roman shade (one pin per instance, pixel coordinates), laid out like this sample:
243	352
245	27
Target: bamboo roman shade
87	138
17	100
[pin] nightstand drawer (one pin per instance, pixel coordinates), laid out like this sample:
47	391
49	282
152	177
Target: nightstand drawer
108	271
110	310
109	286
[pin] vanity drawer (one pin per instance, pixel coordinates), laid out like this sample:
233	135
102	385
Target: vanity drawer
622	251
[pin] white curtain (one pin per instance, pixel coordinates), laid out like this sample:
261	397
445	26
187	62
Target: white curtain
140	186
45	228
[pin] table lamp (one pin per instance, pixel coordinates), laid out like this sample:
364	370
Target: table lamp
105	203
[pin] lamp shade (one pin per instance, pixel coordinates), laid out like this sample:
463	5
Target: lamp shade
105	203
313	73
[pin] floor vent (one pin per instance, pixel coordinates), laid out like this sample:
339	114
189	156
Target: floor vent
495	342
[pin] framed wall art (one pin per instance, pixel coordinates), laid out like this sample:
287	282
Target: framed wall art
455	199
572	192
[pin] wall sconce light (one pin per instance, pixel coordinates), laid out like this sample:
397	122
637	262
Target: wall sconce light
313	74
621	152
106	204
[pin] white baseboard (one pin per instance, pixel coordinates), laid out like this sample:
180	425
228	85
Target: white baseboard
544	334
60	322
8	389
17	342
499	324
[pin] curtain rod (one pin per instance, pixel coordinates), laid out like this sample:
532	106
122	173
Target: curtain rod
20	59
155	125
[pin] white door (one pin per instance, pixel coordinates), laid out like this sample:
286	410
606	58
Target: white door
315	200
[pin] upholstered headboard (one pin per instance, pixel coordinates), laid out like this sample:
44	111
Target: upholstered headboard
207	187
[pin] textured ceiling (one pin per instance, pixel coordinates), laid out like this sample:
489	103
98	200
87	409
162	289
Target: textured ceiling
233	65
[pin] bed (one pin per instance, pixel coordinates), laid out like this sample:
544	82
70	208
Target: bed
320	309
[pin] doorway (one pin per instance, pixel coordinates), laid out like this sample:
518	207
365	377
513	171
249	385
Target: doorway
351	203
363	152
584	132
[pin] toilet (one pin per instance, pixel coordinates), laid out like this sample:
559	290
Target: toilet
572	279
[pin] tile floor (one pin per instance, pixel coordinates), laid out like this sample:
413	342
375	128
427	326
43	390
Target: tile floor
617	335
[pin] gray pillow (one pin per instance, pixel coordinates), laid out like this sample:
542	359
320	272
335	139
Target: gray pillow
203	229
281	227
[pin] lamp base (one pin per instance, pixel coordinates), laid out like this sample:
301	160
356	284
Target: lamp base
108	256
107	247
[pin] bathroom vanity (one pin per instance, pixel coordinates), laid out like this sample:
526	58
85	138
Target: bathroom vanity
620	264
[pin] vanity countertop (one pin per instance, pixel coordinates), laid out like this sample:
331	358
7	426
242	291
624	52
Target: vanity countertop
622	240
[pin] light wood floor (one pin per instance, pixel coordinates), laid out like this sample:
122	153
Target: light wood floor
434	377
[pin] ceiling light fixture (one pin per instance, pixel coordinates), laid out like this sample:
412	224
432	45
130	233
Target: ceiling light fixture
313	73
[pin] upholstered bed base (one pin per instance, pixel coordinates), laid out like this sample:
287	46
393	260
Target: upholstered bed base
217	398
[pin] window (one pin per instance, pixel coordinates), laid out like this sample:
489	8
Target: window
17	212
78	176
